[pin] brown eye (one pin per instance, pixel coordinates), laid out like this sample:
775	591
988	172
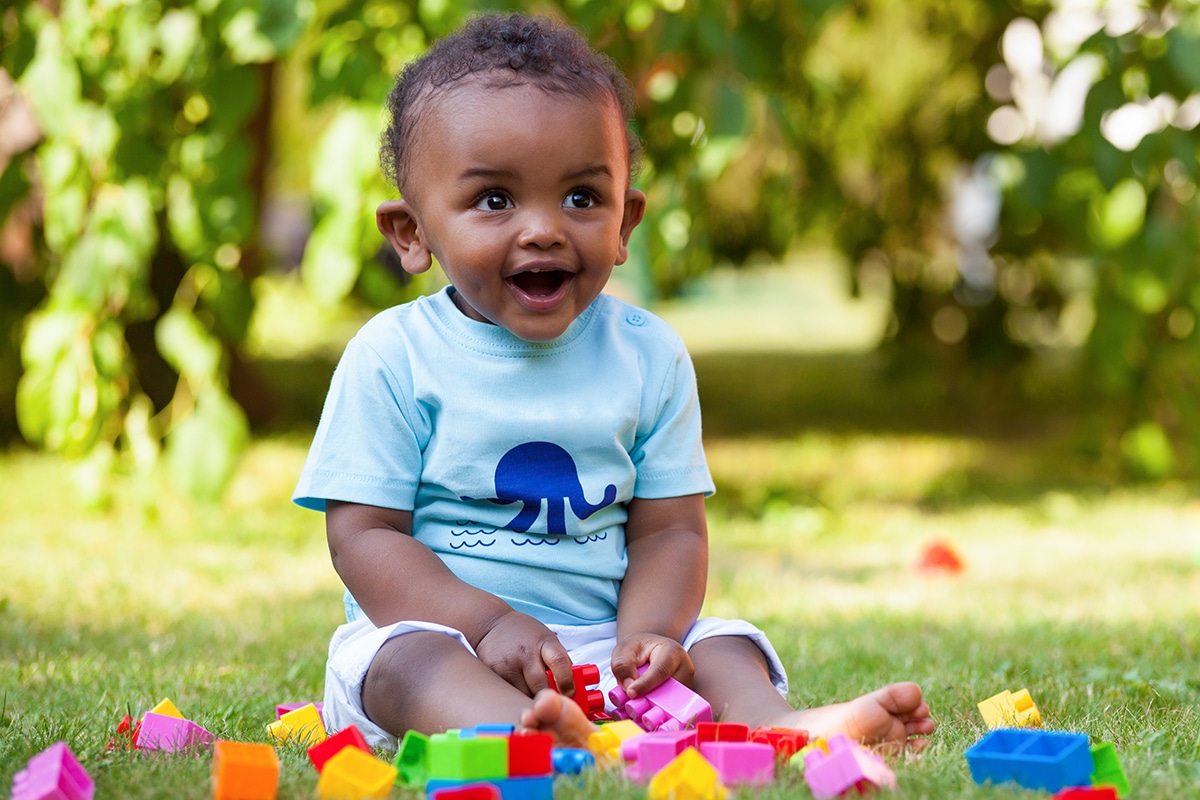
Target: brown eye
580	199
493	201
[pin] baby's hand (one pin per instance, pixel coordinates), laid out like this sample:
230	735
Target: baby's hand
665	657
520	649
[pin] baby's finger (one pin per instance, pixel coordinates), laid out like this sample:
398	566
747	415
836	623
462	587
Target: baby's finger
558	664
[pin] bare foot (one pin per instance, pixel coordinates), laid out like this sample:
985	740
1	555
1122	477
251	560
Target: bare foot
558	716
892	718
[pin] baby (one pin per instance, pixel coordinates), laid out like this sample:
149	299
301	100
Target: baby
511	469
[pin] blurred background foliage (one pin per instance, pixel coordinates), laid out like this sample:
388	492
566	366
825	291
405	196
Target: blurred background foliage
1019	178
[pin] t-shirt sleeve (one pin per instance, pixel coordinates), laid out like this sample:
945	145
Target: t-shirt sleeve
367	448
669	453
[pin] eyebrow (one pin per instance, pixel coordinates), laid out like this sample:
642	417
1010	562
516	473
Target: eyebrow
486	173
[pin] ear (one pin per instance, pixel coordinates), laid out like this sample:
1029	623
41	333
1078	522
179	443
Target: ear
635	209
397	222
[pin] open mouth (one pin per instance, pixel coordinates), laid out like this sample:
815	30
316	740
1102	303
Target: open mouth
540	283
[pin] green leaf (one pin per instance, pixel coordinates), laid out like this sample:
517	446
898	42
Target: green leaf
49	335
188	346
1184	52
1118	216
52	83
178	36
183	216
202	451
1148	452
331	259
344	159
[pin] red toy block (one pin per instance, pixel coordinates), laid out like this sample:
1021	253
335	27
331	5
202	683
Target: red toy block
474	791
347	737
1087	793
786	741
127	734
722	732
529	755
940	557
590	700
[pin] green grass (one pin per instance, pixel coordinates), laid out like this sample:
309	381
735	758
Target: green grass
1090	599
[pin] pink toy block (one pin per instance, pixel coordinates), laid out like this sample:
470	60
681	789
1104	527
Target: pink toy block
786	741
53	774
670	706
590	700
722	732
474	791
749	763
848	765
646	755
1087	793
284	708
162	732
347	737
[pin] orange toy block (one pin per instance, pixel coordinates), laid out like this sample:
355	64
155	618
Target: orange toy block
244	771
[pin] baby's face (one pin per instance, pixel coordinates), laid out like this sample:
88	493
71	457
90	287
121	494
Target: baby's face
522	197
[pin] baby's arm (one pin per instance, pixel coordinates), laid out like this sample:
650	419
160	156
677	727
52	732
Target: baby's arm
663	589
394	577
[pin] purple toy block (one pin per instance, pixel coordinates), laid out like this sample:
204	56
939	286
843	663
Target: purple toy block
160	732
749	763
645	755
284	708
53	774
670	706
846	766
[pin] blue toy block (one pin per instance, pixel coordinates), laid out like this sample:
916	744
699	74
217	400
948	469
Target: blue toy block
539	788
571	760
1046	760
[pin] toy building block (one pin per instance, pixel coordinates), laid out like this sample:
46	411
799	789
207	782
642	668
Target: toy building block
302	725
53	774
412	760
127	734
645	755
1087	793
283	708
1108	770
354	775
536	788
1011	710
529	754
172	734
847	765
347	737
590	700
940	557
746	763
722	732
471	791
688	777
786	741
571	760
479	758
1046	760
167	709
244	771
605	743
670	706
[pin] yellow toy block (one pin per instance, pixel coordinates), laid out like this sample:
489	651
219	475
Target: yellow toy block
302	725
606	743
244	771
355	775
689	776
1011	710
797	761
167	709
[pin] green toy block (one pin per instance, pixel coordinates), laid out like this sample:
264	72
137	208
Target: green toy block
477	758
412	760
1108	770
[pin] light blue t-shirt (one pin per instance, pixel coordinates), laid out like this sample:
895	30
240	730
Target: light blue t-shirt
516	458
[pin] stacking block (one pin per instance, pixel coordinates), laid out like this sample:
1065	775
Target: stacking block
645	755
471	791
1011	710
244	771
1046	760
688	777
539	788
670	706
571	760
722	732
605	743
1108	770
302	725
347	737
786	741
167	709
412	760
940	557
590	700
472	759
53	774
283	708
847	765
529	754
160	732
354	775
746	763
1087	793
127	734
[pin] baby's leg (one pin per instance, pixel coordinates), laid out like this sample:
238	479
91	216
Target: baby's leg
429	682
732	674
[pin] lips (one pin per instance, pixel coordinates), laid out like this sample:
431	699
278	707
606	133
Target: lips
541	289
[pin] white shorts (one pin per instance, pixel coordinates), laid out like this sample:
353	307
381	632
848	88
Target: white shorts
355	644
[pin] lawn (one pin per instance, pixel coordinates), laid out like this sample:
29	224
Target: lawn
832	478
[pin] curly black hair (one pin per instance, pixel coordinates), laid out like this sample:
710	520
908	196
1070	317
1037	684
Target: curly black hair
508	50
